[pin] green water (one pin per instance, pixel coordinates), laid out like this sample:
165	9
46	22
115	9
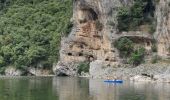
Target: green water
63	88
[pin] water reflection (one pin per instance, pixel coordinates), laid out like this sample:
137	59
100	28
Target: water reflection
84	89
26	88
71	88
104	91
64	88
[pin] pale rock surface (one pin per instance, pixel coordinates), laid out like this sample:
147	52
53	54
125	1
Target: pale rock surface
100	69
38	71
11	71
140	78
65	69
162	34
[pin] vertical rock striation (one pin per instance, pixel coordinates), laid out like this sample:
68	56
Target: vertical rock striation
162	34
92	35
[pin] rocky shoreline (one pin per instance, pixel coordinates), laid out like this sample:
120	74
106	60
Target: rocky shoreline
159	72
14	72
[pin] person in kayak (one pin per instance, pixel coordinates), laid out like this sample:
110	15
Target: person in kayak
114	78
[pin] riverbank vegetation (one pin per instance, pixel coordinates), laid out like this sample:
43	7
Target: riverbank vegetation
30	31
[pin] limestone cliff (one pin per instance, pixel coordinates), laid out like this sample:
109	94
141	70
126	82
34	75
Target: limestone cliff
162	34
91	36
95	30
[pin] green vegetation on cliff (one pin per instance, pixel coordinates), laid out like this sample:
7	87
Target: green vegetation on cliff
128	52
30	31
125	46
140	13
137	57
83	67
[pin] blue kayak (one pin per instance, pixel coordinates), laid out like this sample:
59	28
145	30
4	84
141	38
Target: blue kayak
114	81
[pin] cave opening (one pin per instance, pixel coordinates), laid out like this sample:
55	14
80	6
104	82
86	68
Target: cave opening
81	46
70	54
80	54
87	14
90	58
148	43
107	59
93	14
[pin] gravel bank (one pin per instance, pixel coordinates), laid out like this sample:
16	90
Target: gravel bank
159	71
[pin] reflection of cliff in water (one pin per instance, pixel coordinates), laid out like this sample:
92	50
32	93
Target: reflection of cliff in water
85	89
103	91
129	91
26	88
152	91
71	88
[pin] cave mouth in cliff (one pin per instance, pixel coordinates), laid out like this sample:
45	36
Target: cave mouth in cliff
93	14
70	54
80	54
89	14
62	74
107	59
91	58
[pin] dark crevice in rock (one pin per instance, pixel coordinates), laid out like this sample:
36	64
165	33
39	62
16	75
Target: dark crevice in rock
70	54
62	74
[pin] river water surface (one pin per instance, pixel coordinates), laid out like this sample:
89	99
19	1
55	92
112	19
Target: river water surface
64	88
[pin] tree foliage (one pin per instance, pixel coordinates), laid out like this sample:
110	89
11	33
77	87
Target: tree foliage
83	67
132	55
137	57
125	46
30	30
141	12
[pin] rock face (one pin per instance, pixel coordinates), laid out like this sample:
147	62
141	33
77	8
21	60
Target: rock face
100	69
160	72
38	72
11	71
162	34
65	69
157	78
95	30
92	35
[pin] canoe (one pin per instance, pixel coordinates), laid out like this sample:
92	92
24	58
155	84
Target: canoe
114	81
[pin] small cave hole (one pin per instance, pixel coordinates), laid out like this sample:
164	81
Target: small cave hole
113	51
83	21
62	74
81	46
107	59
70	54
93	14
148	44
91	58
80	54
88	14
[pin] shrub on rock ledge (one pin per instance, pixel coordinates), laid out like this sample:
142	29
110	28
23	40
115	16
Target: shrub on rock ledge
137	57
83	67
125	46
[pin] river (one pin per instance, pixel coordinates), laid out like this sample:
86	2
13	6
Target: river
66	88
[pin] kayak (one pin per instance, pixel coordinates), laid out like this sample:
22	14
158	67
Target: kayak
114	81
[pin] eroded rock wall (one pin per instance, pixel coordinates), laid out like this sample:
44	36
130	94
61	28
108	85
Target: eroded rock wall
92	35
95	30
162	34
